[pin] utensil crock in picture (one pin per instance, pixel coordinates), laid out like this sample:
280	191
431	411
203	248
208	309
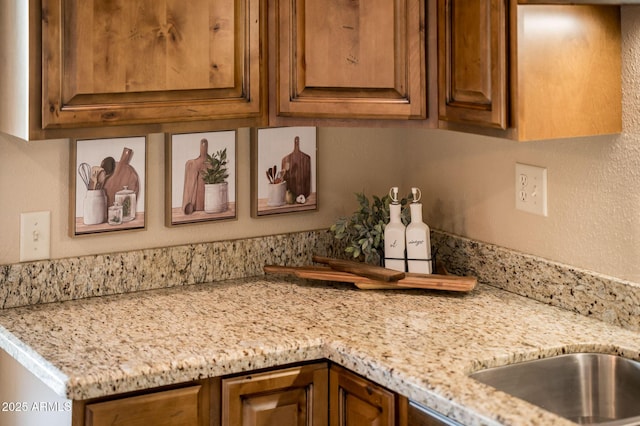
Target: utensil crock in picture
276	194
94	207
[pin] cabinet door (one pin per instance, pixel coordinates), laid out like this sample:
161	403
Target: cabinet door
472	52
123	62
355	401
288	397
176	407
350	59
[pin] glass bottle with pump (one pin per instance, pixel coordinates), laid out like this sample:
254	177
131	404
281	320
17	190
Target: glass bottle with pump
418	238
394	236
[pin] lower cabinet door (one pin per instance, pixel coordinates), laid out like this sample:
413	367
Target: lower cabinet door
295	396
355	401
177	407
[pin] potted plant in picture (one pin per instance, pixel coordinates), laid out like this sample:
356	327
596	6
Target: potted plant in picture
216	188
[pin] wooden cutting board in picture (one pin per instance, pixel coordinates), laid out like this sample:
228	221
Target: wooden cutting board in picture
193	193
297	170
123	175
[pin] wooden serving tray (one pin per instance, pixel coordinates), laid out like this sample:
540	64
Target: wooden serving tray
411	280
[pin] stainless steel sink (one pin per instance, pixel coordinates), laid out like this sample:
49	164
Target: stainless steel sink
585	388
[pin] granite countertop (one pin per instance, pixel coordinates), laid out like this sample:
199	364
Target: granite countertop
421	344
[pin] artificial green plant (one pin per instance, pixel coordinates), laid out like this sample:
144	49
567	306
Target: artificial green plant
363	231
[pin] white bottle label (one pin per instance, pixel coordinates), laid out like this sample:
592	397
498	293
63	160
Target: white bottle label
416	243
418	251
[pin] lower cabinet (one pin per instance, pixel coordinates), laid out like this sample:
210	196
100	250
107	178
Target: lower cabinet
190	405
295	396
317	394
355	401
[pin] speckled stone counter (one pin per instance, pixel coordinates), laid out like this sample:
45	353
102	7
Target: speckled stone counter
421	344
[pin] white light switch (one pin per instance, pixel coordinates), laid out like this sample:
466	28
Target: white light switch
35	236
531	189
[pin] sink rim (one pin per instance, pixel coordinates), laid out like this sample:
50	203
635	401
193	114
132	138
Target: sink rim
579	363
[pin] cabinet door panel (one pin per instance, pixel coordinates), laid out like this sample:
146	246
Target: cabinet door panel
294	396
472	62
167	408
350	59
354	401
149	61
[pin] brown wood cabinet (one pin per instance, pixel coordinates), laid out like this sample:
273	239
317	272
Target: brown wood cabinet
162	64
189	405
355	401
351	60
530	71
472	58
316	394
295	396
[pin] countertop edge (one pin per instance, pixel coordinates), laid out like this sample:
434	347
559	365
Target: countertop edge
34	362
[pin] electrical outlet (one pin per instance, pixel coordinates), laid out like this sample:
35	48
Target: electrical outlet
35	236
531	189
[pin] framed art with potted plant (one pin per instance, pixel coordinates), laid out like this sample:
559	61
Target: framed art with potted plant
284	170
200	177
108	182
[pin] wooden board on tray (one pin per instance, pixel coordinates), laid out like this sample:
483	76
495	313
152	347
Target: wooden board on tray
411	280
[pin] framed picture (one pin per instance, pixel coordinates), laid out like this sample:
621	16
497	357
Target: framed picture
108	182
284	170
200	177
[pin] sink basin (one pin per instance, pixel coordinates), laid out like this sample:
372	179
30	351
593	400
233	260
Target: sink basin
586	388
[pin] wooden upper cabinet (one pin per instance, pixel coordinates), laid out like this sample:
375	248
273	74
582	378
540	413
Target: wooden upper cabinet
350	59
529	72
149	61
97	64
569	74
472	61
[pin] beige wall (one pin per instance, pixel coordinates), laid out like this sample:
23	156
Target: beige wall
34	176
593	185
468	185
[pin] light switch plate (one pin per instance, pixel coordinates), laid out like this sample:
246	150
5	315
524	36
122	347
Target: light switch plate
35	236
531	189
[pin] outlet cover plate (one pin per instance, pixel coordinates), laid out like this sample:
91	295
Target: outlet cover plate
531	189
35	236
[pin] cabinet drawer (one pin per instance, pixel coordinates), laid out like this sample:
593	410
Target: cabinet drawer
176	407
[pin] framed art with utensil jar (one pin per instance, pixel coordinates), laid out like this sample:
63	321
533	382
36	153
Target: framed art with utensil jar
284	170
200	174
108	183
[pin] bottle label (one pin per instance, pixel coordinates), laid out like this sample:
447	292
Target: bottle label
416	243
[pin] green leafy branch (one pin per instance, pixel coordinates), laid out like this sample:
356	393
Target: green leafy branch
363	231
216	171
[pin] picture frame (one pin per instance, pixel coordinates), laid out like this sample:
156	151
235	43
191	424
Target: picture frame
108	185
284	168
189	198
